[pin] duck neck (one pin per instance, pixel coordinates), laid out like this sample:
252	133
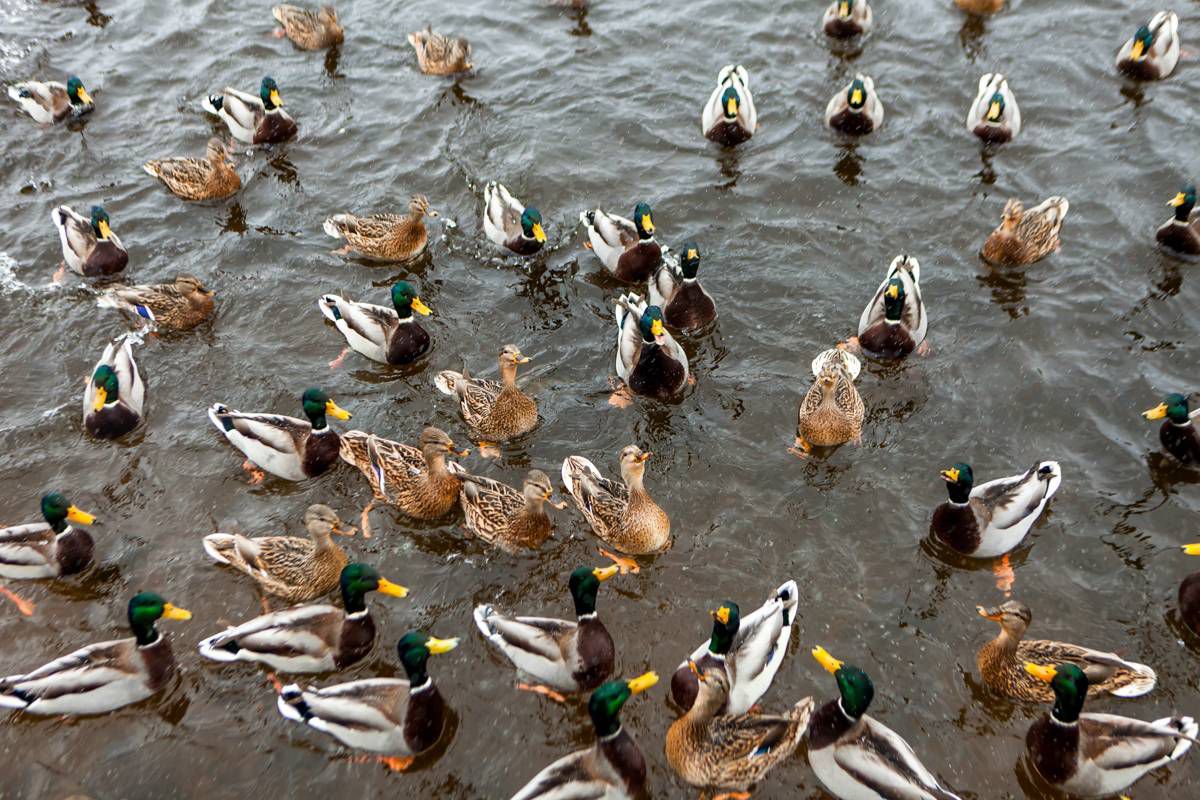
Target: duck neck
144	632
508	375
436	461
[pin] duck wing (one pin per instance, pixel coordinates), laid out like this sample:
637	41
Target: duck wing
573	777
883	762
377	704
1114	742
1011	501
296	632
85	670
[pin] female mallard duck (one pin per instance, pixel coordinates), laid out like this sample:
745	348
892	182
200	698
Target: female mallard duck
504	517
995	116
381	334
177	306
1189	594
310	638
894	323
1153	52
621	513
495	411
832	411
993	518
440	55
1002	661
613	768
105	676
1181	233
253	120
565	656
508	223
209	178
51	101
1178	433
1098	755
289	567
384	237
627	249
115	396
1024	237
675	289
750	650
89	246
382	715
309	30
855	110
286	447
47	549
649	360
846	18
729	116
857	757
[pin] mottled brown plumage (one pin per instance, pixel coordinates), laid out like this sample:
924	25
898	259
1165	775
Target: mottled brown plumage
309	30
180	305
832	411
622	513
419	482
504	517
387	237
440	55
1024	237
495	411
212	178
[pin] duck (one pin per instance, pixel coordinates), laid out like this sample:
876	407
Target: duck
502	516
894	323
385	335
729	117
496	411
402	717
613	768
309	638
622	514
1178	433
857	757
440	55
179	305
995	116
847	18
48	549
675	289
308	29
1002	661
89	246
1025	237
751	651
993	518
1189	594
649	360
980	7
1098	755
286	447
1152	53
855	110
105	676
253	120
115	396
51	102
1181	233
627	249
832	410
384	237
292	568
210	178
509	223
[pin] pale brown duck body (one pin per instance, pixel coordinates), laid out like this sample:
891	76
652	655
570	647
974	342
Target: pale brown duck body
385	237
622	513
419	482
440	55
980	7
210	178
180	305
309	30
1024	237
832	410
495	411
504	517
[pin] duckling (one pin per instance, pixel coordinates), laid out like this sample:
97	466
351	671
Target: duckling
832	410
48	549
846	18
649	360
993	518
1024	237
89	246
385	237
116	395
381	334
980	7
1181	233
309	30
50	101
894	323
1189	594
253	120
627	249
440	55
675	289
495	411
1153	52
504	517
729	116
210	178
178	306
855	110
509	223
995	116
1178	433
620	513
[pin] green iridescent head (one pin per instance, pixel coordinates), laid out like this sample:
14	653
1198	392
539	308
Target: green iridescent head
853	684
357	579
584	584
604	706
531	224
727	619
731	102
893	299
100	224
58	511
76	94
406	300
268	92
689	260
643	220
414	650
104	379
317	404
856	96
652	325
959	482
1143	40
1174	407
995	108
147	608
1183	203
1070	687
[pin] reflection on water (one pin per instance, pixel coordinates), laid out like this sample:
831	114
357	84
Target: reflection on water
235	220
727	160
96	17
970	36
285	170
849	166
578	14
987	175
332	56
1008	285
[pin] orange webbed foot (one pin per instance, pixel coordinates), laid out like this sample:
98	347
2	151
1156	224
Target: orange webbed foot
396	763
1005	577
545	691
627	565
341	359
256	475
24	606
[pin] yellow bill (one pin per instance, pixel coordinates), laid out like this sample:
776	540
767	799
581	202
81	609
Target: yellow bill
1158	412
827	661
647	223
1178	200
989	613
856	97
101	398
893	292
731	108
656	327
994	111
1041	673
644	457
105	230
642	682
692	254
391	589
333	410
1136	52
420	307
437	646
604	573
950	474
538	233
844	9
275	98
175	612
721	615
77	515
1192	549
84	96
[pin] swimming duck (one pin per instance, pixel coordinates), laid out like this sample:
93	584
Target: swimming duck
855	110
729	116
1189	594
857	757
894	323
626	249
832	411
115	396
178	306
50	101
993	518
846	18
440	55
209	178
105	676
675	289
89	246
504	517
620	513
1098	755
1178	433
47	549
496	411
1002	661
751	651
995	116
381	334
980	7
385	237
1153	51
1181	233
309	638
289	567
286	447
309	30
509	223
649	360
253	120
1024	237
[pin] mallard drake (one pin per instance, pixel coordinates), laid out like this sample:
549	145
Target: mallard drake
1153	51
381	334
382	715
857	757
289	567
89	246
675	289
1098	755
894	323
626	249
1178	433
1024	237
309	30
980	7
115	396
178	306
711	749
620	513
105	676
253	120
729	117
1002	661
509	223
846	18
209	178
832	411
750	650
286	447
310	638
993	518
47	549
1189	594
613	768
440	55
566	656
495	411
384	237
649	360
504	517
855	110
1181	233
995	116
50	101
